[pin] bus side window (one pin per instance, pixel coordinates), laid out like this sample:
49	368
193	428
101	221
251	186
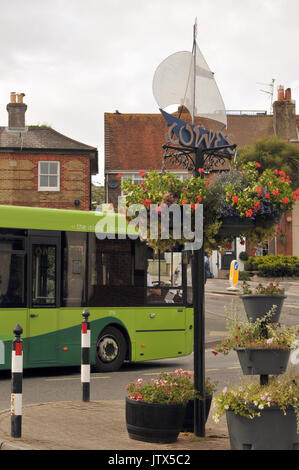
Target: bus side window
12	273
164	278
74	268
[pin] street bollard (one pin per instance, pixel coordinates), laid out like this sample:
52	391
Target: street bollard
85	356
16	382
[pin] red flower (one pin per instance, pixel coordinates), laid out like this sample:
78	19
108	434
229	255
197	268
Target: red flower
257	206
257	164
259	190
276	172
235	199
275	192
184	201
282	173
249	213
119	175
285	200
214	352
200	170
236	337
267	196
146	202
199	198
142	173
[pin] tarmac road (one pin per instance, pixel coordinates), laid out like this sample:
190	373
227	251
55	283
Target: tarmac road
60	384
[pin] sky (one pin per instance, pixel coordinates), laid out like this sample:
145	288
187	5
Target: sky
76	60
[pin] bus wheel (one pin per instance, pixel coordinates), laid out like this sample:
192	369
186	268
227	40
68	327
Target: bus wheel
111	350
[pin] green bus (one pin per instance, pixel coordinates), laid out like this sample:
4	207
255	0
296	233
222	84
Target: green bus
54	263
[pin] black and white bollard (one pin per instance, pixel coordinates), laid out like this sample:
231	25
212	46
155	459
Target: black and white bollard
16	382
85	356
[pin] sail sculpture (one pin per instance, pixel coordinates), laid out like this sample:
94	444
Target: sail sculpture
185	78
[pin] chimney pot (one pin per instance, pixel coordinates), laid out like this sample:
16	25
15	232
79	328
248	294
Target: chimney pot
288	94
20	97
280	93
13	97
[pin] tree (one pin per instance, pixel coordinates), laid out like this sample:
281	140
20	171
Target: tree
272	152
97	196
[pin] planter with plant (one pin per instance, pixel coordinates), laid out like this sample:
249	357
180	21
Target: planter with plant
261	417
188	423
263	347
156	408
257	302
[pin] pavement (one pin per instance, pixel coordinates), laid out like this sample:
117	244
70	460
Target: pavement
94	425
100	425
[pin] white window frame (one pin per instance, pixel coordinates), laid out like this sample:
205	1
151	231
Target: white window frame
49	188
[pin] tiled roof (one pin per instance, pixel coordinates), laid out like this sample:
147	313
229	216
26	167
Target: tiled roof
44	138
134	141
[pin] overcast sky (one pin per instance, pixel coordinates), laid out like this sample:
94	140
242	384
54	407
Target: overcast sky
77	59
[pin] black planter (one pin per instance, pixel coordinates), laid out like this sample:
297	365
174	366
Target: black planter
188	424
256	306
272	430
263	361
154	422
234	226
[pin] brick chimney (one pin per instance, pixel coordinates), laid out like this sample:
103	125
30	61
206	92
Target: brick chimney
284	115
16	112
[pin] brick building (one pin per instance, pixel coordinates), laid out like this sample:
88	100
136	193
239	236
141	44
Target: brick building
41	167
134	142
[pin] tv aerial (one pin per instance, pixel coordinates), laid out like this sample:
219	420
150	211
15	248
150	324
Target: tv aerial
269	92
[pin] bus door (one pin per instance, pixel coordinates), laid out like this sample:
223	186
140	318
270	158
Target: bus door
44	298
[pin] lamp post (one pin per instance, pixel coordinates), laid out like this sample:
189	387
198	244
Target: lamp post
193	158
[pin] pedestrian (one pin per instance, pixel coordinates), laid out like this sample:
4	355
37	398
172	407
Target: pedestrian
208	274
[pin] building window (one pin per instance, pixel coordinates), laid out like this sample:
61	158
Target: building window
48	176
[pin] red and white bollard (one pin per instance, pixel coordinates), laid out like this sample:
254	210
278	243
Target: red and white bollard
85	356
16	382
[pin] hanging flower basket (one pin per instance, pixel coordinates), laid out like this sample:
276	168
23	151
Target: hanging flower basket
245	201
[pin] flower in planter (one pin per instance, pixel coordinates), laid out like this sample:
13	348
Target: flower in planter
169	387
250	398
272	288
243	333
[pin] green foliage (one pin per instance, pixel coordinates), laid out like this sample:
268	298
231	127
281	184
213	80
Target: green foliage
258	334
272	152
97	196
248	399
169	387
243	256
273	265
